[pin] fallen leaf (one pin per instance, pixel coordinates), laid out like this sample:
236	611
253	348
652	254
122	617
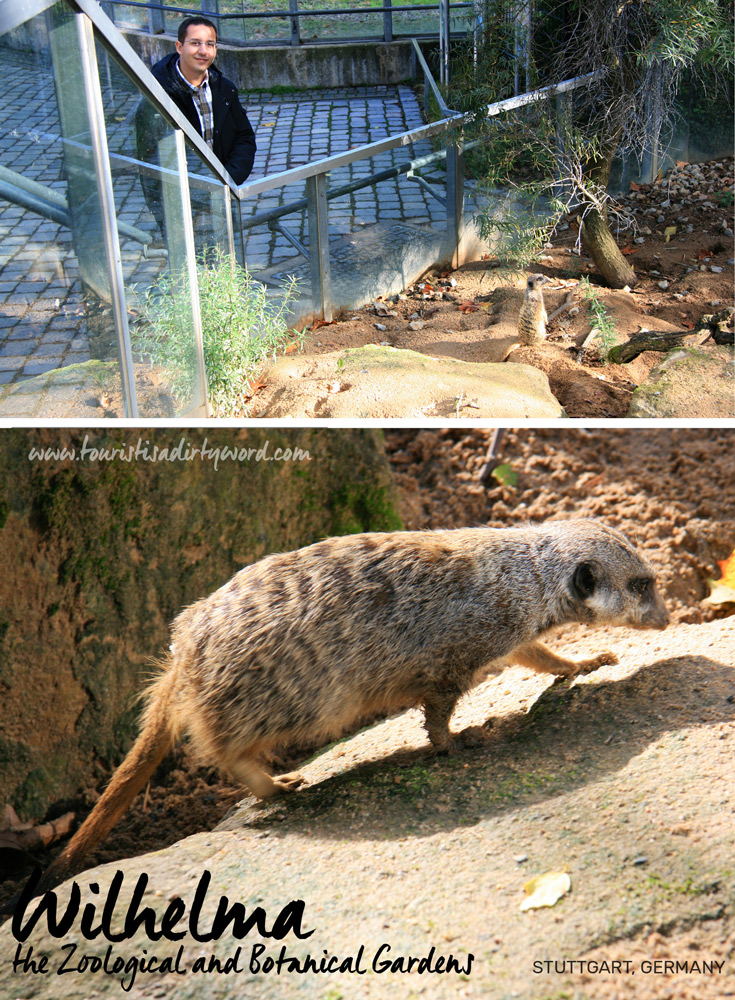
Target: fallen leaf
681	163
292	347
545	890
467	307
688	324
322	322
634	186
629	250
722	591
669	232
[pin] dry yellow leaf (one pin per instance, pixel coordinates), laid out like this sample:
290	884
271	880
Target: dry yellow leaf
545	890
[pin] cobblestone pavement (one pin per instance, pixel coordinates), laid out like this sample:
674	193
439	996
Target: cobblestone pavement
44	321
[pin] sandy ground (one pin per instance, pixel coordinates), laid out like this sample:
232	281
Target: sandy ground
469	314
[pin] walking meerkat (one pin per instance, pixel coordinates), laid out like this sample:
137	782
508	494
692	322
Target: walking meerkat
300	646
532	318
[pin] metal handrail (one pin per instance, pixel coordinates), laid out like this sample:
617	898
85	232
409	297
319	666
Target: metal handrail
157	12
453	122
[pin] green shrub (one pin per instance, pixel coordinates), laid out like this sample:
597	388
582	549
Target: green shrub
241	328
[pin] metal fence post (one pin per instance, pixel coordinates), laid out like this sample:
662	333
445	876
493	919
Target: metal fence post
560	142
321	280
455	197
293	6
387	21
156	20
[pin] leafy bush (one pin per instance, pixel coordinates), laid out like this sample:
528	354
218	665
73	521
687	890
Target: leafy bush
241	328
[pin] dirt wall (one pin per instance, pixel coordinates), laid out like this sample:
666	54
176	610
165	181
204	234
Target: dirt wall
98	557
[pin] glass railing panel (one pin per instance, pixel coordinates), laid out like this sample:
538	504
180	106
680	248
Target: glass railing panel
383	228
151	218
59	348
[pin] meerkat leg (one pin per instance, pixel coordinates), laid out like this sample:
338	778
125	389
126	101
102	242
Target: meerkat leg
288	782
245	770
438	707
541	658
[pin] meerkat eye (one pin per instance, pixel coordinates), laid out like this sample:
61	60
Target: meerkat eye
641	586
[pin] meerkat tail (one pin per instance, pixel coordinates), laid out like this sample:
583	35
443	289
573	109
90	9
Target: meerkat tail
154	742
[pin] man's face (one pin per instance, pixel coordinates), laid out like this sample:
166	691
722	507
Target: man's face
197	51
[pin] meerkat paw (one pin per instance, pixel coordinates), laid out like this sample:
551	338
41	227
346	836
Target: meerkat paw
288	782
587	666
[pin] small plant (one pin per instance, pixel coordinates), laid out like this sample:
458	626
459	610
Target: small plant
241	328
505	475
600	318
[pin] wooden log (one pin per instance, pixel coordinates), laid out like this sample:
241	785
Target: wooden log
657	340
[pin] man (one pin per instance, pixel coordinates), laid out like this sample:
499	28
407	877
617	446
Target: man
207	99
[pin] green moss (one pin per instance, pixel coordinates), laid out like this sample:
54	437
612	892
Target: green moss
31	798
357	508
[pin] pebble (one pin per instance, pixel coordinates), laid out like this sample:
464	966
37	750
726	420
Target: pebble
640	860
520	858
715	269
663	285
639	239
380	326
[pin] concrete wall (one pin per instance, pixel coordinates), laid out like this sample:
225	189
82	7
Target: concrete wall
351	64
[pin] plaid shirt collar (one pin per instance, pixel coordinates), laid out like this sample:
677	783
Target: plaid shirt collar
202	97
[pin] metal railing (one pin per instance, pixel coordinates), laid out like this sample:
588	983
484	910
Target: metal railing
155	22
318	195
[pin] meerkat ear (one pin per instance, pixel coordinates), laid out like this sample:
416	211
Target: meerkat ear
584	580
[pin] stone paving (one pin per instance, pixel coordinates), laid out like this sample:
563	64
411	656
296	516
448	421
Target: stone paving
44	321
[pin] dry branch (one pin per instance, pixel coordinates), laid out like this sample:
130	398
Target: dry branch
657	340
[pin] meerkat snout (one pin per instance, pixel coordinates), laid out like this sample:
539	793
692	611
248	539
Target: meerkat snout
532	318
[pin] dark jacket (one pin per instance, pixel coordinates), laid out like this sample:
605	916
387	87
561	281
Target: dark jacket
233	141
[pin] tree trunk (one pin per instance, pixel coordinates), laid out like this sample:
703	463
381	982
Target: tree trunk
599	243
597	239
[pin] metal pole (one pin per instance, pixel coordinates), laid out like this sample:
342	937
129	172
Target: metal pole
455	197
321	279
100	158
191	270
387	21
293	6
228	221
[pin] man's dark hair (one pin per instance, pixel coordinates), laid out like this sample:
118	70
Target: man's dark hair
187	23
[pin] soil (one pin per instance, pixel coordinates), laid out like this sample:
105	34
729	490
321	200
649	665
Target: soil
682	275
671	491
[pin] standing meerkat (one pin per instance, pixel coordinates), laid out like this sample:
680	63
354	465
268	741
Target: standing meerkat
532	318
301	646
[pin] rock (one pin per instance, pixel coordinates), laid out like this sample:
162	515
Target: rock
401	383
689	383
